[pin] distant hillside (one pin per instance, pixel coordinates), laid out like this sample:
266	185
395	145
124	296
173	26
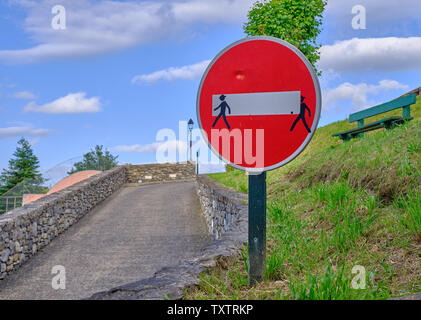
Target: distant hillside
336	206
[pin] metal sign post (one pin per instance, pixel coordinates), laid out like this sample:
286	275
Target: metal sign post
257	227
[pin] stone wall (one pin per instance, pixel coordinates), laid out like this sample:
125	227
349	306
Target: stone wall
26	230
160	172
221	207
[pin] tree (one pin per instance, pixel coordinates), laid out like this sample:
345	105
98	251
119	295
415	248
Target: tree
95	160
23	171
297	21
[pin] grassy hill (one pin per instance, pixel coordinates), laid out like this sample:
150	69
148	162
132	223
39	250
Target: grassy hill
336	206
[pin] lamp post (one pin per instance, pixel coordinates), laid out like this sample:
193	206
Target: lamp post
197	162
191	123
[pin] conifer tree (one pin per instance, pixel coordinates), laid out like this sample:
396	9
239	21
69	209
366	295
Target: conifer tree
23	169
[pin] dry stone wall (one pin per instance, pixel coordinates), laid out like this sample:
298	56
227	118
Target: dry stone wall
160	172
221	207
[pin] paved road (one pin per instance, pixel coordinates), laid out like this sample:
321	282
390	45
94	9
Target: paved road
128	237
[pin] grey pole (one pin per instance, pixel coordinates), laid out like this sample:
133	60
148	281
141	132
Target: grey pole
257	227
191	146
197	162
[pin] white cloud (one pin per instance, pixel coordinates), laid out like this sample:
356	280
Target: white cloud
174	73
72	103
375	54
148	148
171	146
357	93
26	95
378	11
96	27
11	132
212	11
355	55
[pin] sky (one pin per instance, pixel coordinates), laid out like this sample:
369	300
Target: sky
119	73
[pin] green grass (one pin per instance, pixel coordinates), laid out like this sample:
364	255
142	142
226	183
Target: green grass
336	206
409	212
331	285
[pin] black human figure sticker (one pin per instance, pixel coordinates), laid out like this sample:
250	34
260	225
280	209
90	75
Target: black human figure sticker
223	106
302	115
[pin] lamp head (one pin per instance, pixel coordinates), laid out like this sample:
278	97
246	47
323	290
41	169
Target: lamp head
190	123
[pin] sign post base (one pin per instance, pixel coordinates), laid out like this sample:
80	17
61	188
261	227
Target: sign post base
257	227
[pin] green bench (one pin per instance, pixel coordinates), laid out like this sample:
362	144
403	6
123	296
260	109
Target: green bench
388	123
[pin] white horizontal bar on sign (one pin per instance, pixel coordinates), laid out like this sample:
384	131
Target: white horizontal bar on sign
259	103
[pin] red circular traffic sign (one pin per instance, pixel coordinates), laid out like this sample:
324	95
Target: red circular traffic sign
259	103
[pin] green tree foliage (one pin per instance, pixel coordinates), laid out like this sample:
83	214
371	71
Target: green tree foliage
95	160
297	21
22	175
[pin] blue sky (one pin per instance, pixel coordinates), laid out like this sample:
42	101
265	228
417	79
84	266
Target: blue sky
123	70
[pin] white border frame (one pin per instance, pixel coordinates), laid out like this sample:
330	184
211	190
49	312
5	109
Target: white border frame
316	116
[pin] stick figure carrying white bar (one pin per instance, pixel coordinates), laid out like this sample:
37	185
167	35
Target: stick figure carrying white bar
302	115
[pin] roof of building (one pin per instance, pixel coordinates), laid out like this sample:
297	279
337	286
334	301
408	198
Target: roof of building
62	184
72	179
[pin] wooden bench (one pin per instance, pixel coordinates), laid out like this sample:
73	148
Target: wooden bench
388	123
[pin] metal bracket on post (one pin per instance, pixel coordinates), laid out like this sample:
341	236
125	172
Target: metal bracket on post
257	227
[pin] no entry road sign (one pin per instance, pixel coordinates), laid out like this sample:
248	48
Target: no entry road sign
259	103
258	106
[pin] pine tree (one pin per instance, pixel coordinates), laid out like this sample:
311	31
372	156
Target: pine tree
95	160
22	168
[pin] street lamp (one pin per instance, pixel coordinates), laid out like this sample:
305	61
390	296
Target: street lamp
191	123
